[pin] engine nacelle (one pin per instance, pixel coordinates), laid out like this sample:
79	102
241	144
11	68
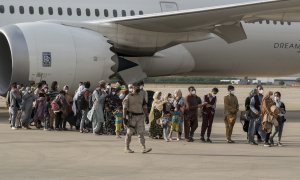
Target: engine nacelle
52	52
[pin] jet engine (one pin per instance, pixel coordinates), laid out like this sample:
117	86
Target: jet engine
52	52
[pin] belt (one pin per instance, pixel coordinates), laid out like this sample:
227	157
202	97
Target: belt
136	114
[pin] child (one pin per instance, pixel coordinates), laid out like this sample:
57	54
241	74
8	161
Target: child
118	121
176	118
165	120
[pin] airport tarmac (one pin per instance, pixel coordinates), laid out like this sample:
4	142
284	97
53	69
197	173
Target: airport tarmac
36	154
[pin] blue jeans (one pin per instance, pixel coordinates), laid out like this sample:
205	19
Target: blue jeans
258	128
251	129
166	131
83	119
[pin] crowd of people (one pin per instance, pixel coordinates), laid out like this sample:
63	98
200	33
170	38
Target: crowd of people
122	109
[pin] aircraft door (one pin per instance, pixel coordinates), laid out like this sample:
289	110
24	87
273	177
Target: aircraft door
168	6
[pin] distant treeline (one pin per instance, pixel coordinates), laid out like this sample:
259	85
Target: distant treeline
186	80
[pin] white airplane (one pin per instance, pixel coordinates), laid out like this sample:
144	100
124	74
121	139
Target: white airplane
74	40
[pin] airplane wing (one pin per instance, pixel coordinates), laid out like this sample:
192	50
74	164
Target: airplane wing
147	34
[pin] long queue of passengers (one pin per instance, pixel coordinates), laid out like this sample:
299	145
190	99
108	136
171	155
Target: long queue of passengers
105	111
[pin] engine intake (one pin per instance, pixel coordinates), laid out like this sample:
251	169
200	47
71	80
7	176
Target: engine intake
52	52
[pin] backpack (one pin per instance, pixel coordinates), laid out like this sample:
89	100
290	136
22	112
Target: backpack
82	103
54	106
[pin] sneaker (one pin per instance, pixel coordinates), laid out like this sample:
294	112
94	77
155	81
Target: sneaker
178	139
146	150
14	128
267	145
279	144
208	140
202	139
128	150
230	141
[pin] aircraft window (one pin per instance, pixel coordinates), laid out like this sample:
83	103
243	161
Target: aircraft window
289	23
106	13
31	10
12	9
268	21
97	12
281	22
123	13
60	11
50	11
21	9
115	13
88	12
78	12
2	9
141	12
132	13
69	10
41	10
260	22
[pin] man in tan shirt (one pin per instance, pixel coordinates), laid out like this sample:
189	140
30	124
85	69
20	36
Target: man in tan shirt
231	108
134	114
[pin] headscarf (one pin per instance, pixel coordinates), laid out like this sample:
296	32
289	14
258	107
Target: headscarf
156	104
252	92
79	91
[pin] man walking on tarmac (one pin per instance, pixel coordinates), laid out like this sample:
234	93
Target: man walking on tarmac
134	114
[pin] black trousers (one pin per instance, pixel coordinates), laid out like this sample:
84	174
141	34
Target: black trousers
58	120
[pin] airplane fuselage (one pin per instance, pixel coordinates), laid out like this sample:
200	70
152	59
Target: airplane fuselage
271	48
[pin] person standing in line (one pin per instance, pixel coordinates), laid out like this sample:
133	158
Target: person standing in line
82	100
118	121
27	105
97	113
15	102
208	113
268	113
135	114
177	116
167	116
231	108
193	103
254	115
179	100
52	94
155	130
281	119
261	135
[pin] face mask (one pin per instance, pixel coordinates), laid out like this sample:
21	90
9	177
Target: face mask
231	92
113	93
261	91
213	95
193	92
141	87
276	98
